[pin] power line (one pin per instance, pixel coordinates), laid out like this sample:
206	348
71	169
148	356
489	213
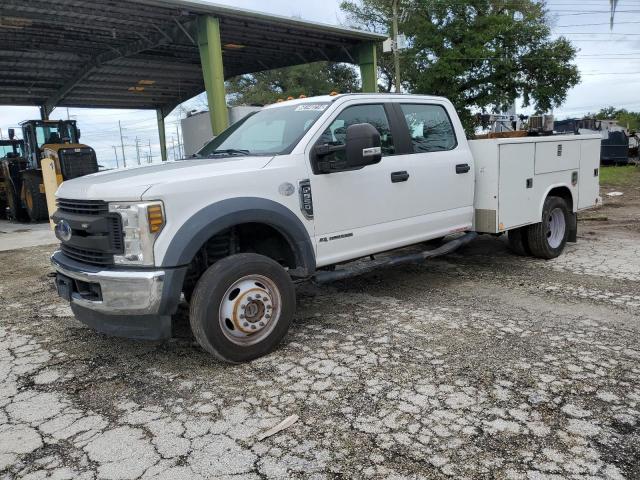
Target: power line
594	24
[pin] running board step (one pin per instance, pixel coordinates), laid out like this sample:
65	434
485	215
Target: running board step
451	246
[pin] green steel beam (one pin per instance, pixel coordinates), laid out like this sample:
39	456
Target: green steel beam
210	47
366	57
162	134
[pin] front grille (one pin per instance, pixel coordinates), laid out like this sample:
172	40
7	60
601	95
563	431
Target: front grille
87	256
77	162
97	234
83	207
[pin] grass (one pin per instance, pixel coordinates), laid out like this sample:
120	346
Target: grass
620	176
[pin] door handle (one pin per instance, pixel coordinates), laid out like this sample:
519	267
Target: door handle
462	168
397	177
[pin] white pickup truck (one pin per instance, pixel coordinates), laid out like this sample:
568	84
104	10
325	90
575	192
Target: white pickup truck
291	192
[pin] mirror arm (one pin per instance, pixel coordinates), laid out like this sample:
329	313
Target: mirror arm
326	149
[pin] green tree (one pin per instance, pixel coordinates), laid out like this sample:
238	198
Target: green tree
481	54
624	117
318	78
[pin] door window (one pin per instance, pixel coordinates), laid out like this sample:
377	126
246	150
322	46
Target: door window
336	133
430	128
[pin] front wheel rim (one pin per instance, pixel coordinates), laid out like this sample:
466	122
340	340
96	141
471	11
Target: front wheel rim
556	227
250	310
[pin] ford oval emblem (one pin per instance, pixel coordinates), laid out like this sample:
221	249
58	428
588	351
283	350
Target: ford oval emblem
63	231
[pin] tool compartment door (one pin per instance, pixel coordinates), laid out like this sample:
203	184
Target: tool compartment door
589	178
516	202
557	156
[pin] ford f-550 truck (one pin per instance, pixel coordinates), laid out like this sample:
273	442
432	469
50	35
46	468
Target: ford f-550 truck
291	192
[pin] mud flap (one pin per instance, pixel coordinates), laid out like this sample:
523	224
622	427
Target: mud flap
573	228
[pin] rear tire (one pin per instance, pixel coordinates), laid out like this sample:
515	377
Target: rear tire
242	307
35	201
518	241
548	238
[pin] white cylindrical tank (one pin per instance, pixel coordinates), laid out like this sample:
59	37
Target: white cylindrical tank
196	127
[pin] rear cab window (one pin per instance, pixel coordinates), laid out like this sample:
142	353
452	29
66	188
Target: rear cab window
430	127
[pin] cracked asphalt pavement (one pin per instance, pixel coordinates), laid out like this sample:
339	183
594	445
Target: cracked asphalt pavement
476	365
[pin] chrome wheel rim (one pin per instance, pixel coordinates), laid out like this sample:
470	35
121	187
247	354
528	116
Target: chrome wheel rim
556	226
249	310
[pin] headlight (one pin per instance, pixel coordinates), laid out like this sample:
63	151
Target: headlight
142	222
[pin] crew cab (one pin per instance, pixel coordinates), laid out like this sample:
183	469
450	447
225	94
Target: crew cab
295	192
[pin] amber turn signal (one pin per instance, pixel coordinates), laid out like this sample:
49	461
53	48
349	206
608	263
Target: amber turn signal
155	217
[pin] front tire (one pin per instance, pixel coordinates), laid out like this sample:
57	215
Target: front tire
548	238
242	307
34	199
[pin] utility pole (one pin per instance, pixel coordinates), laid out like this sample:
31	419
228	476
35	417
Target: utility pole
396	52
179	146
138	149
124	158
115	151
173	146
150	155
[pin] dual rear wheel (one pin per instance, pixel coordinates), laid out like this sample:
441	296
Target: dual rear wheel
546	239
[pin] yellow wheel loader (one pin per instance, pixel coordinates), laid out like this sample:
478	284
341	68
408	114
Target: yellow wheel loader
52	145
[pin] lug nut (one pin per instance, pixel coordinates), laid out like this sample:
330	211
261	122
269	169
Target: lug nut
253	327
242	315
245	324
267	316
261	324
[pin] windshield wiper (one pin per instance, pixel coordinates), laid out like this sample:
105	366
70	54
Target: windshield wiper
229	151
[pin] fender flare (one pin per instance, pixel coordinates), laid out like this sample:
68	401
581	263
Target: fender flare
219	216
546	194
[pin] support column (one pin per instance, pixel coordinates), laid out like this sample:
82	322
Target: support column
44	114
212	69
366	56
162	134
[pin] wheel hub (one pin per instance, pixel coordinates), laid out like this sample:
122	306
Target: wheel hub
556	227
249	309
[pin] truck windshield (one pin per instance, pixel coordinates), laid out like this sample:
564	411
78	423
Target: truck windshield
272	131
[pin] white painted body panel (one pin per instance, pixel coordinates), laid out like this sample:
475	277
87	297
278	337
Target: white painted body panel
503	167
371	214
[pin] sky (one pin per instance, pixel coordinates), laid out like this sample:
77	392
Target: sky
609	63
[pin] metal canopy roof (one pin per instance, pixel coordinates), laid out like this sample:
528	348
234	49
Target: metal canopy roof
144	53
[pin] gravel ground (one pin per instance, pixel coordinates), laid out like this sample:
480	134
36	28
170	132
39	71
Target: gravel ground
477	365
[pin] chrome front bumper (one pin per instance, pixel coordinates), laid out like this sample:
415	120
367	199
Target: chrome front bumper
123	292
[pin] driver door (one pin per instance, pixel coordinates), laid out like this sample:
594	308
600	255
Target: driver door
356	212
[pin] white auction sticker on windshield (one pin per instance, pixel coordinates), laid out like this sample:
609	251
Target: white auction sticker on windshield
312	107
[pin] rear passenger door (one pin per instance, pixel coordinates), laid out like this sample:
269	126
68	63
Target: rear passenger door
440	166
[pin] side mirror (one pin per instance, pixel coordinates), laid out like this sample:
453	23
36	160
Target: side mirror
12	133
363	145
361	148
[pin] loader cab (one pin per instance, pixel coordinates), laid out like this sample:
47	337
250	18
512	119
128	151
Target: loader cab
38	133
13	148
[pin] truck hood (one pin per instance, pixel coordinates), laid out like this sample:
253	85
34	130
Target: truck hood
131	183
